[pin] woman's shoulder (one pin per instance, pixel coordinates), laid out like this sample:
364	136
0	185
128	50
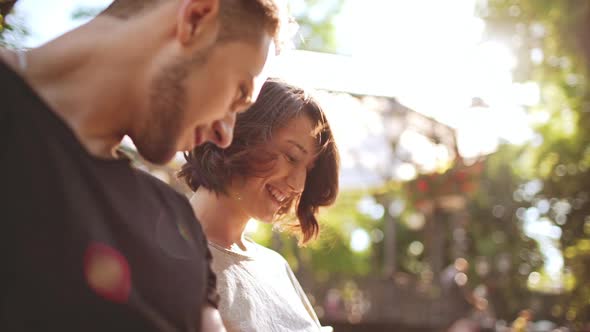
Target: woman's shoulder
261	252
223	257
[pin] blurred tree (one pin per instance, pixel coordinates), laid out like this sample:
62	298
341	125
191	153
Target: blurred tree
84	12
10	33
6	6
501	256
552	43
487	232
316	24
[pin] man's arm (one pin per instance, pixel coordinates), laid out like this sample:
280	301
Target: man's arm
212	295
211	320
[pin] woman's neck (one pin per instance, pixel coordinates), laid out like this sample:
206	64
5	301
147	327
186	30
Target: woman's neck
223	222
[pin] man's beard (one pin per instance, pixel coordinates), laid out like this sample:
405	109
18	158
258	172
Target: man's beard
158	139
159	135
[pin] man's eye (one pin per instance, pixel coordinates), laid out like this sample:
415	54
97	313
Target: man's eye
243	101
244	95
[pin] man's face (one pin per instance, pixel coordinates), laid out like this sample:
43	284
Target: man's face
195	100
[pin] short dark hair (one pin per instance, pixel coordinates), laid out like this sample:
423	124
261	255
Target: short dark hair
278	103
240	19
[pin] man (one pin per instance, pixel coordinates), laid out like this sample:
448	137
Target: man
88	243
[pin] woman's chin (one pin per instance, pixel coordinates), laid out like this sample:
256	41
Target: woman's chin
266	218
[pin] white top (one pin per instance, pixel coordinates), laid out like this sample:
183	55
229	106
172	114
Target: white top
259	292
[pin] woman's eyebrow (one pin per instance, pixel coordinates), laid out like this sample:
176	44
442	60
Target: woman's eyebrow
298	145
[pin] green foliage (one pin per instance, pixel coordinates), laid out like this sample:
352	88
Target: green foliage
552	41
85	13
331	253
502	254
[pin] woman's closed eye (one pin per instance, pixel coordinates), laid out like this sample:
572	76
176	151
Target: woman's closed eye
291	158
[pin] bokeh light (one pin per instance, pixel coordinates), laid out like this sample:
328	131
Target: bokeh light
107	272
359	240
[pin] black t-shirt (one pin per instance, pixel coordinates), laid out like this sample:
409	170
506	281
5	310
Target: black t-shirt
89	244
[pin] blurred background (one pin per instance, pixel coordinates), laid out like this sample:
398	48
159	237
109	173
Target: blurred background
464	129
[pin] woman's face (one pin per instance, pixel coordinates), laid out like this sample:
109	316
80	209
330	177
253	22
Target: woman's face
262	197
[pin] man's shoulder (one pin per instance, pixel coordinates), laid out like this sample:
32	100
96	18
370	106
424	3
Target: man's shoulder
169	198
10	80
160	186
15	91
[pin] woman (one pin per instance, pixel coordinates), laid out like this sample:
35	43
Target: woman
283	162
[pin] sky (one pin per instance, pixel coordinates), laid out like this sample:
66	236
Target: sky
429	54
48	19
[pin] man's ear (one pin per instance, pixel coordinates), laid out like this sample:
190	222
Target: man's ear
197	19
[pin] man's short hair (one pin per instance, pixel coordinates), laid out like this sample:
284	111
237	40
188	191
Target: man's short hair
239	19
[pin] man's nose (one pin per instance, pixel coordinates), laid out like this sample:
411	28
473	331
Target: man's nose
221	132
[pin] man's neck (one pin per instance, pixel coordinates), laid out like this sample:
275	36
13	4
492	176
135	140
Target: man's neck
10	58
84	80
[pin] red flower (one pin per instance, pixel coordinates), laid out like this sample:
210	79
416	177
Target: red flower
422	186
